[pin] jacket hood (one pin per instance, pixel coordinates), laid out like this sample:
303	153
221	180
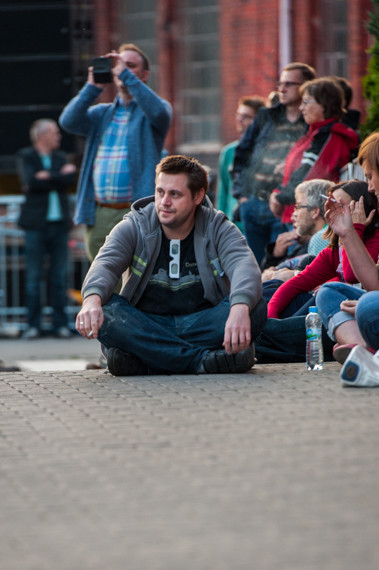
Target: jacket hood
350	136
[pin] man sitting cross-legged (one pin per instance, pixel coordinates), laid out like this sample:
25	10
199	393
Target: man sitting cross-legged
191	300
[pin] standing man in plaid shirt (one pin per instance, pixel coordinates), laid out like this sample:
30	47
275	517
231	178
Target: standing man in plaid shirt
124	143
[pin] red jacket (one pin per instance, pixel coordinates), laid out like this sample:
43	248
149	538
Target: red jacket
320	153
322	269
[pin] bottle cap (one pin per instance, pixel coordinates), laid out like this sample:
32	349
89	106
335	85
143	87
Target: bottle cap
313	310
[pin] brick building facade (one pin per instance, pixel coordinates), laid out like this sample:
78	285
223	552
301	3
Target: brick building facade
205	54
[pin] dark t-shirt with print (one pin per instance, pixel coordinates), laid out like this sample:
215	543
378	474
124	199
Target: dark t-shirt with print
169	296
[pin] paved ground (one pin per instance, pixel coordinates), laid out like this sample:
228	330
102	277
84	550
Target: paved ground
272	470
49	353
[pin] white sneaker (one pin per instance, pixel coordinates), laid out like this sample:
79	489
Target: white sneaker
361	368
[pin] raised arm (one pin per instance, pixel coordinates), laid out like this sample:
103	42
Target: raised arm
339	217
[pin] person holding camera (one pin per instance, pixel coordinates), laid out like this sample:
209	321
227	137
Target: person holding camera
124	141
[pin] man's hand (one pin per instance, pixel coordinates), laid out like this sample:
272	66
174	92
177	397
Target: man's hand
118	64
90	317
283	242
283	274
91	79
68	168
275	206
42	175
237	334
268	273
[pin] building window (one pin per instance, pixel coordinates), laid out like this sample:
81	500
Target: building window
136	25
333	56
198	96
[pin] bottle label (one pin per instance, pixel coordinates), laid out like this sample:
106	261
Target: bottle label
313	333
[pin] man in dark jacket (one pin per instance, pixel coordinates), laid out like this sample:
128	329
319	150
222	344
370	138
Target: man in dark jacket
45	175
260	155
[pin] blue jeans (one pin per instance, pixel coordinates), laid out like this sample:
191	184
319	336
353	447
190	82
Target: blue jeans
260	225
299	306
170	344
283	340
52	240
328	300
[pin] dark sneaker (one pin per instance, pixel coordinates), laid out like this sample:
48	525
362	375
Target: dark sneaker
219	362
125	364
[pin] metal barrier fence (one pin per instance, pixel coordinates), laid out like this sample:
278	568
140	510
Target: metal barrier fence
352	170
12	264
12	271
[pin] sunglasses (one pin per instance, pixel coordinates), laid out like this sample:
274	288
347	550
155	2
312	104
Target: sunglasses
174	265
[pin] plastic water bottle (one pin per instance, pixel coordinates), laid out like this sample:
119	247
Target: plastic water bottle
314	352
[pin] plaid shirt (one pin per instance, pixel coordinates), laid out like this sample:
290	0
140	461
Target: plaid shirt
111	169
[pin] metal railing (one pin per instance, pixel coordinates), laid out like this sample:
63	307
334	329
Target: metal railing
352	170
12	271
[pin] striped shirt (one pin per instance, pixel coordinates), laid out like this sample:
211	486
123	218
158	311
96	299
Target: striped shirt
261	177
111	175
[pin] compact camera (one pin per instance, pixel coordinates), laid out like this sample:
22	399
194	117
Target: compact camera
102	70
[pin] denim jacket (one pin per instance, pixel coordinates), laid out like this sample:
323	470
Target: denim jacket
148	125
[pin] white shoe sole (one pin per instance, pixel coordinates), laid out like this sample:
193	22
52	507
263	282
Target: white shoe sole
361	368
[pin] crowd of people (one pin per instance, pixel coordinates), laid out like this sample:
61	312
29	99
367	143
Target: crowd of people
178	286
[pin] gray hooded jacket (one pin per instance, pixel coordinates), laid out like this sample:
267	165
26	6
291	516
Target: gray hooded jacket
226	264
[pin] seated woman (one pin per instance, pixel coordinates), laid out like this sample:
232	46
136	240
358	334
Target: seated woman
325	148
332	264
351	315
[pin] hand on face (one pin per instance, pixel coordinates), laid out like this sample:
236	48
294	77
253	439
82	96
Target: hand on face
358	214
338	216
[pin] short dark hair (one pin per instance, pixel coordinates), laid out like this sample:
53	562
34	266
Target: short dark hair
307	71
346	88
133	47
197	175
327	93
356	189
255	102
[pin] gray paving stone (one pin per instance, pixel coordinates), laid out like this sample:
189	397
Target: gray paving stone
275	469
